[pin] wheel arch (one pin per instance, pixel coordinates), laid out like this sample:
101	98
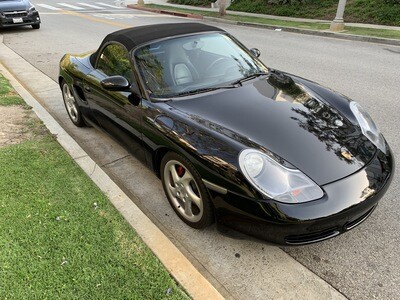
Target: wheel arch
64	76
158	155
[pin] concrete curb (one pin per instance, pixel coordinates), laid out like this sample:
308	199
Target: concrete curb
175	262
328	34
166	12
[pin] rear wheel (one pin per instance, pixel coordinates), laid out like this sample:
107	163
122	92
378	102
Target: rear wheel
36	26
71	105
186	191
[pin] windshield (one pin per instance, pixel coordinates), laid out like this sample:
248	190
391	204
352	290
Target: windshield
199	62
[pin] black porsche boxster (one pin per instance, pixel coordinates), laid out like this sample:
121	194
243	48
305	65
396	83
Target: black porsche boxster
18	13
265	152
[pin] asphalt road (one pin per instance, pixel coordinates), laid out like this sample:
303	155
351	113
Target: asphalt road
363	263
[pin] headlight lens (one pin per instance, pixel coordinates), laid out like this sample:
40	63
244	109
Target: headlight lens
276	181
368	126
32	8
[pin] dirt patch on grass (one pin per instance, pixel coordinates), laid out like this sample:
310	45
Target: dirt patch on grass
14	127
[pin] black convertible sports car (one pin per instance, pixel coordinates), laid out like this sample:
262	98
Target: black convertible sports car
18	13
265	152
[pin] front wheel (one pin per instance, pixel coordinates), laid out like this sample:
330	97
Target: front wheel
186	191
72	106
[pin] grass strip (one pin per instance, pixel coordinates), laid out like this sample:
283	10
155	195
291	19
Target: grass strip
7	94
381	33
384	12
61	238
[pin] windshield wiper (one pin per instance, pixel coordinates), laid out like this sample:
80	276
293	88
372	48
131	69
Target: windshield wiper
249	77
203	90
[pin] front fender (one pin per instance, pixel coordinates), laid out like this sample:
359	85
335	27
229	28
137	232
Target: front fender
214	155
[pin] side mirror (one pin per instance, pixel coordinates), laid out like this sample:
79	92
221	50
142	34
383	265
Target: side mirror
115	83
255	52
135	97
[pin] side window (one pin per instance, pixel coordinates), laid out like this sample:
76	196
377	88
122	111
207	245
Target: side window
114	60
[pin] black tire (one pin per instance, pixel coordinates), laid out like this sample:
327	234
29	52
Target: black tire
36	26
75	117
205	216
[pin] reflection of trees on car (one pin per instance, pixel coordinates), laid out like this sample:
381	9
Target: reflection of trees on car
115	61
241	67
321	120
152	70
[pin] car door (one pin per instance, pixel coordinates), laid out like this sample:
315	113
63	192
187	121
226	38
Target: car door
118	113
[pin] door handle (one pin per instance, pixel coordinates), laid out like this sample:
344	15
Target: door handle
87	89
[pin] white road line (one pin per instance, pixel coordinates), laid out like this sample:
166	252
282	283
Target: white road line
108	5
90	5
48	6
71	6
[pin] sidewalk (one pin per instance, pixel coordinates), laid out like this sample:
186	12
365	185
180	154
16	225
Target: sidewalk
245	14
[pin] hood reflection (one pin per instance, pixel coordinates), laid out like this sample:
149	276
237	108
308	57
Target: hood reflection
279	114
321	120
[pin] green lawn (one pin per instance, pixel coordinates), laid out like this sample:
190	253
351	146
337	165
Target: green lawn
7	95
384	12
60	237
389	34
382	33
206	3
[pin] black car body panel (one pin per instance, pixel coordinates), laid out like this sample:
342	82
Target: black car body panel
308	126
18	13
346	204
267	113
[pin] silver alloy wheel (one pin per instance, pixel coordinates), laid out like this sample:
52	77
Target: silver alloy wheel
70	102
183	191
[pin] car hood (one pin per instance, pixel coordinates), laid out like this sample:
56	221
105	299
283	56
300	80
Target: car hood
14	5
279	114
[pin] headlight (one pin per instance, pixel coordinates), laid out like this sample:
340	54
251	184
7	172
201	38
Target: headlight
32	8
368	126
276	181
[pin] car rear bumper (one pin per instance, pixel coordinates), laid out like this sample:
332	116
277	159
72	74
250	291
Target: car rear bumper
346	204
30	19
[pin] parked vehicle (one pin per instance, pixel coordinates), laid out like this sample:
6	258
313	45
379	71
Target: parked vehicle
18	13
265	152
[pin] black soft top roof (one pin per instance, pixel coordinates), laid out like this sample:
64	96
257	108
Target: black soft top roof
132	37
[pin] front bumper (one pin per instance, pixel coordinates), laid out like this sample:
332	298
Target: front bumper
346	203
32	18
